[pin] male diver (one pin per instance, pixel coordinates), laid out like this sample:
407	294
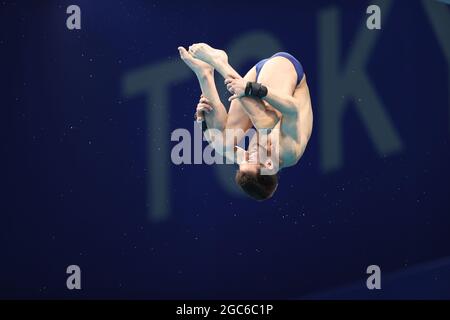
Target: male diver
272	95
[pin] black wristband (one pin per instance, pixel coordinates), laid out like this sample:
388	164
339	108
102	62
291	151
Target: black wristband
248	89
254	89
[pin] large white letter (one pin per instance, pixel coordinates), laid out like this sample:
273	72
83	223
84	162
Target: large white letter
154	82
439	17
341	82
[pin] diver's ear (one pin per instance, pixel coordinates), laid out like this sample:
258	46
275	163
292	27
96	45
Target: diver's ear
269	164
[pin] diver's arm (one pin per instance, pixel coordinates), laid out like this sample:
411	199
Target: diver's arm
285	103
216	134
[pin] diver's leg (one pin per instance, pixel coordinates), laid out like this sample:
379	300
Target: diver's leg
217	118
260	116
237	121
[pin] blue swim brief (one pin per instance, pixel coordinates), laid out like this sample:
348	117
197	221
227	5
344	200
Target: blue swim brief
297	65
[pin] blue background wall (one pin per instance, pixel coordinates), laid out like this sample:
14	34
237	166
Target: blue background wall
77	153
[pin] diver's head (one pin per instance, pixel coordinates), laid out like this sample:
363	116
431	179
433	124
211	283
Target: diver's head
252	182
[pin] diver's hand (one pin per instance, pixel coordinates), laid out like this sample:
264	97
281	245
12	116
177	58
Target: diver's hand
236	87
203	106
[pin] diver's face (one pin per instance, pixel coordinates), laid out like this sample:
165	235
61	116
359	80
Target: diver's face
251	163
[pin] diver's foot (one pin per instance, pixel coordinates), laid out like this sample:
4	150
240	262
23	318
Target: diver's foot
199	67
206	53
